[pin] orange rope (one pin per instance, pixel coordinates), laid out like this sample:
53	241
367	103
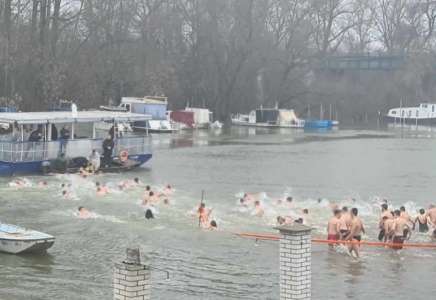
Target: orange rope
274	237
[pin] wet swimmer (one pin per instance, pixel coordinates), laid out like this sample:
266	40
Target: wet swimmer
406	216
258	209
284	220
400	231
345	226
422	221
204	215
385	215
356	231
213	225
43	184
84	213
333	227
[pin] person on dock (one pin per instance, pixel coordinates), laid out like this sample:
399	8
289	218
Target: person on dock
108	147
356	231
94	159
422	221
400	231
333	227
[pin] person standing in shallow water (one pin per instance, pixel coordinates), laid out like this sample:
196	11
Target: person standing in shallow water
356	231
422	221
333	227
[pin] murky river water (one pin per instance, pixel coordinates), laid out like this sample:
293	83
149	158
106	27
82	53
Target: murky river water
338	166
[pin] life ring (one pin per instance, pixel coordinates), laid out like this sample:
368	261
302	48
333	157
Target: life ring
124	155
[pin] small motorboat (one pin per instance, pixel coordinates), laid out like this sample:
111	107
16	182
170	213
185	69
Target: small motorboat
17	240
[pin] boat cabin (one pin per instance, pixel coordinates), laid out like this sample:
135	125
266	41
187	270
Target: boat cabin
36	137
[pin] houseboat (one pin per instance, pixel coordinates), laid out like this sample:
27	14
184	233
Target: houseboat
424	114
155	106
40	142
270	118
191	118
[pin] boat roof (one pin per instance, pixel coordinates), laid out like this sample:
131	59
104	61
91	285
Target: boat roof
146	100
54	117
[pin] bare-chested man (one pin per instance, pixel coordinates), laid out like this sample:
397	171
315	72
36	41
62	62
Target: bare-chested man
385	214
422	221
406	216
431	217
388	228
345	223
400	231
333	227
356	231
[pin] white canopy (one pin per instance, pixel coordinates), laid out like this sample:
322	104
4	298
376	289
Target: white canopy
54	117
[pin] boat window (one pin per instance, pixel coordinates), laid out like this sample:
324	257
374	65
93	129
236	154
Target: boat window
432	108
402	113
424	105
394	112
417	113
410	113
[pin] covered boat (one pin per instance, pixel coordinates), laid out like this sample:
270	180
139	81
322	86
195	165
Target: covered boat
424	114
17	240
43	141
269	117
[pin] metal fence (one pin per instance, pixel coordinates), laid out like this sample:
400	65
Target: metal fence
37	151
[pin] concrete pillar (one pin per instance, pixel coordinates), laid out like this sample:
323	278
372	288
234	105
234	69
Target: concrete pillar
295	262
131	278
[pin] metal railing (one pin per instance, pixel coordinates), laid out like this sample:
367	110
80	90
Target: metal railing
11	151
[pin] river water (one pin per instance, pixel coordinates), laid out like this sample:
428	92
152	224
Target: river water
335	166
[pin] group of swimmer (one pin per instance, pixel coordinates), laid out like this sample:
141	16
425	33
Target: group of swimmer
395	226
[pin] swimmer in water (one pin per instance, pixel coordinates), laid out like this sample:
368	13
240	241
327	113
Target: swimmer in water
243	202
258	210
167	191
422	222
400	231
281	220
166	201
356	231
406	216
213	225
84	213
66	194
204	215
385	214
43	184
345	226
333	227
149	214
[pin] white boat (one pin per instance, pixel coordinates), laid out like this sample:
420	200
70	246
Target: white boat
424	114
121	128
270	118
17	240
155	106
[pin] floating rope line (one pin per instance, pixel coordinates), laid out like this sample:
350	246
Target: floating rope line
274	237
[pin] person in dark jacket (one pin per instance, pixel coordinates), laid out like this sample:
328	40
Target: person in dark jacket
108	147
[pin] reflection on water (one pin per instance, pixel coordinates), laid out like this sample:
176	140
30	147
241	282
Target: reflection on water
337	166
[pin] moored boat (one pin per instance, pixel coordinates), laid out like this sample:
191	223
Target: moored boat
36	144
270	118
17	240
424	114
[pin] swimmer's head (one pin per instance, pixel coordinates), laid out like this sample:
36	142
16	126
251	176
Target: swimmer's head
345	209
280	220
168	186
354	211
384	207
241	200
385	201
213	224
62	185
289	199
147	188
422	211
305	211
64	193
397	213
337	212
80	208
402	208
151	193
299	221
166	201
257	203
136	180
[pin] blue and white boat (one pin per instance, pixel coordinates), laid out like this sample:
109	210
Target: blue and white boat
39	140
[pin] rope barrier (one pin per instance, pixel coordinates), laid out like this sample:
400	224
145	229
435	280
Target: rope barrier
274	237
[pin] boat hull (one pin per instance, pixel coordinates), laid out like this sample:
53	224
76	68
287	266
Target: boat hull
25	246
36	167
411	121
265	125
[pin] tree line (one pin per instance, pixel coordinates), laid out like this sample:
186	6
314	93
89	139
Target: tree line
227	55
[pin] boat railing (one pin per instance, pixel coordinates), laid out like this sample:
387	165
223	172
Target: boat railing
14	151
